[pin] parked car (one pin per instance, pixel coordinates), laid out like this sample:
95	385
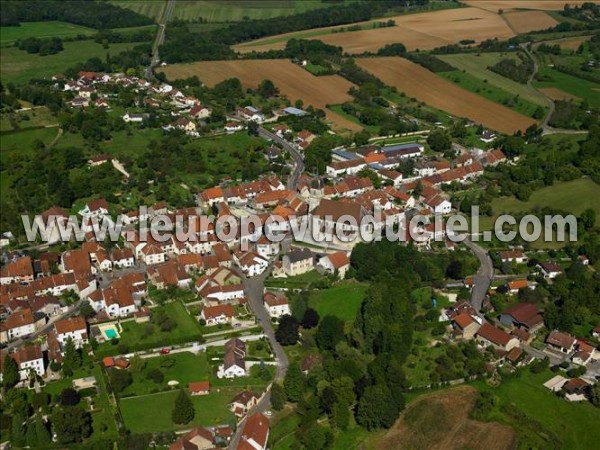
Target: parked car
164	351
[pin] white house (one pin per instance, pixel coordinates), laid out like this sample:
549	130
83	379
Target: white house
74	328
215	315
277	305
252	114
28	358
438	205
267	248
298	261
251	263
122	258
20	323
232	127
333	262
550	270
234	362
152	254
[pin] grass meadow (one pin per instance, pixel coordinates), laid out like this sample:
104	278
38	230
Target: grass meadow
10	35
18	66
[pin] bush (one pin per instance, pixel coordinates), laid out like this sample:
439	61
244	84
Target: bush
156	375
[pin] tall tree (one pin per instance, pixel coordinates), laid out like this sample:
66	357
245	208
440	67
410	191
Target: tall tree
375	410
277	397
72	358
71	424
183	411
41	432
293	383
310	319
287	331
330	332
10	373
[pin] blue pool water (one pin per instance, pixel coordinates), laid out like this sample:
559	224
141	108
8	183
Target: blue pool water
110	333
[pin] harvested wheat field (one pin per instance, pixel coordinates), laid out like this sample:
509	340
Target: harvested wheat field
440	421
292	81
495	5
526	21
416	31
416	81
557	94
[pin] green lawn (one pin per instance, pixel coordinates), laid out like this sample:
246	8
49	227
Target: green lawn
476	65
343	300
316	69
577	86
572	196
152	413
19	66
187	367
8	35
576	424
491	92
225	10
135	335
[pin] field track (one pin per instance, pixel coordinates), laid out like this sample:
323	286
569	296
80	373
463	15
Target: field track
292	81
416	31
418	82
495	5
526	21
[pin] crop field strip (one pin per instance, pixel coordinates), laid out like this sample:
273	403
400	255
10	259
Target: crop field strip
224	10
526	21
495	5
423	31
418	82
291	80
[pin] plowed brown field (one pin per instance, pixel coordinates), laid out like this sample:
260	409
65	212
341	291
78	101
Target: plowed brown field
423	31
557	94
440	421
418	82
292	81
526	21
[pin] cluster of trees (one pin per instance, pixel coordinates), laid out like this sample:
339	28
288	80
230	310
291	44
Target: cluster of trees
48	46
569	114
430	62
586	12
113	37
511	68
93	14
23	420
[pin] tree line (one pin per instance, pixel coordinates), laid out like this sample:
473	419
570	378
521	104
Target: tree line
93	14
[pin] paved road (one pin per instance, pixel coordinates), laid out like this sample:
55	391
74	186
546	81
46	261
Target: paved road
296	155
484	276
160	38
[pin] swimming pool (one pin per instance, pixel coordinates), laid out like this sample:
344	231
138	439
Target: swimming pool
111	333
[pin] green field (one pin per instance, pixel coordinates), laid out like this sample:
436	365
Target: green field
476	65
316	69
8	35
135	335
343	300
576	424
152	413
187	368
471	83
577	86
33	118
225	10
572	196
18	66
